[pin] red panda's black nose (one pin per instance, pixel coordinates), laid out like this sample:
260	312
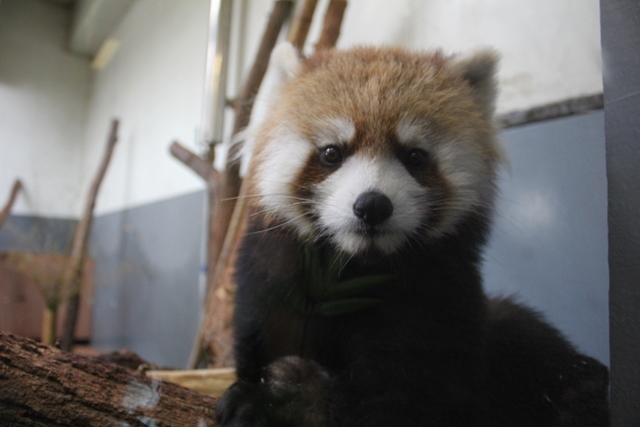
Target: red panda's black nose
373	207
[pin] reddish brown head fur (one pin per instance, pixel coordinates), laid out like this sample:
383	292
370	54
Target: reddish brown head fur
377	106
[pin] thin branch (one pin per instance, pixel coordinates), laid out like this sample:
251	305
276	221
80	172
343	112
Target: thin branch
200	166
73	272
4	214
301	23
332	24
244	103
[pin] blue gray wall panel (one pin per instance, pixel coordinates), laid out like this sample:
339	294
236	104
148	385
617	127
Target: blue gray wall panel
147	294
26	233
549	244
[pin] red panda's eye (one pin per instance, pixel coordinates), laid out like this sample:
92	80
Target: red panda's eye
331	156
416	159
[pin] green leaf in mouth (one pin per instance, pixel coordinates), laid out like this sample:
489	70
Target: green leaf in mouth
346	306
325	293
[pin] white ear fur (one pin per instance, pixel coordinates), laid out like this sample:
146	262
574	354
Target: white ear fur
479	70
283	65
286	59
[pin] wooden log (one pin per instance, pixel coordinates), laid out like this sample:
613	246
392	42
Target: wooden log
42	386
72	277
128	360
4	214
212	382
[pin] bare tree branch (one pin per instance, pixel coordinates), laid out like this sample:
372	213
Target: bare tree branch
73	272
204	168
301	23
332	24
4	214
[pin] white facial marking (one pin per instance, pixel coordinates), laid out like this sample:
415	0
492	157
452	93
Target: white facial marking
335	131
283	66
461	165
469	178
281	163
338	193
411	131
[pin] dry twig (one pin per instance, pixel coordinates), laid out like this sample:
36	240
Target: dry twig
73	272
4	214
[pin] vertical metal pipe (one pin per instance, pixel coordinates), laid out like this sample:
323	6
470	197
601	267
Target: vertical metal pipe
216	74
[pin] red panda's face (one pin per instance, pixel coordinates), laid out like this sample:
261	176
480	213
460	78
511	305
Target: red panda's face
375	148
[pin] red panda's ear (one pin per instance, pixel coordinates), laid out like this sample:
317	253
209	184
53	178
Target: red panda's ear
479	70
284	63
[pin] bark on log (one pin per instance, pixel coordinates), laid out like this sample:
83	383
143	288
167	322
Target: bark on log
4	214
73	272
42	386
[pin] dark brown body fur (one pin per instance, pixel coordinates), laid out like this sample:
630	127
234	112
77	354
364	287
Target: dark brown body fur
425	347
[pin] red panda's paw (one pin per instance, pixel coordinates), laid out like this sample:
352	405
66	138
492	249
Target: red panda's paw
291	394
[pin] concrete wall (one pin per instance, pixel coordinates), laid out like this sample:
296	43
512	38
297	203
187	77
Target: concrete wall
154	84
55	112
147	294
44	94
550	48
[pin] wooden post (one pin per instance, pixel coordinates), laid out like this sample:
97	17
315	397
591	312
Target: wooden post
72	277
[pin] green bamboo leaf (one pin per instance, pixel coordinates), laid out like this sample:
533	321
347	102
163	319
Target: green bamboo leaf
346	306
358	285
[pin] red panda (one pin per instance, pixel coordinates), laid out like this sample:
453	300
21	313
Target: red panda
359	300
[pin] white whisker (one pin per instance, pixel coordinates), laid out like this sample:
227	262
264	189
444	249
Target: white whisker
282	224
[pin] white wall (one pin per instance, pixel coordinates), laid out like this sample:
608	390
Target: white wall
54	139
550	48
154	85
43	100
